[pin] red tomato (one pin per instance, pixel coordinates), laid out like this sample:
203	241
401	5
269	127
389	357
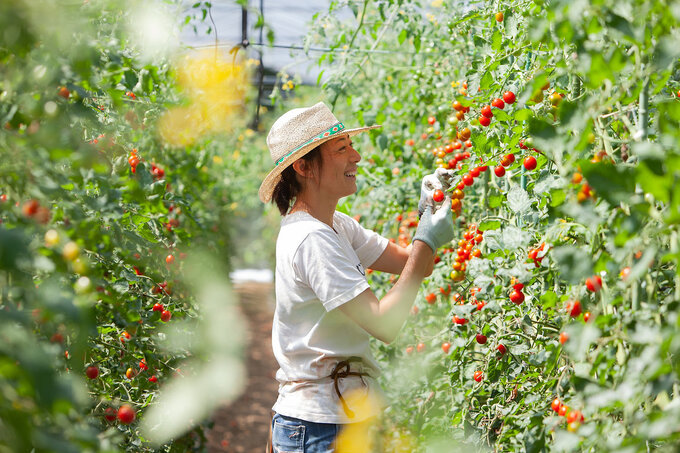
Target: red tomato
431	298
170	259
594	283
438	195
92	372
468	180
484	121
143	365
508	160
475	172
586	316
574	308
445	291
153	379
564	336
409	349
481	339
126	414
486	111
625	272
478	376
509	97
166	315
556	404
480	305
575	416
518	286
431	120
499	171
517	297
530	163
30	208
420	347
110	414
445	347
501	348
459	321
563	410
157	307
133	160
498	103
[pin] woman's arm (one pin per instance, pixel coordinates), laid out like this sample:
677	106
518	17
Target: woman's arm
394	258
383	318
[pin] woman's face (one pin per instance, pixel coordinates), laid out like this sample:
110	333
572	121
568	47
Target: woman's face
338	173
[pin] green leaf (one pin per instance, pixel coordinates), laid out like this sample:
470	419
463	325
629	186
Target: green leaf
490	225
614	183
575	263
402	36
518	200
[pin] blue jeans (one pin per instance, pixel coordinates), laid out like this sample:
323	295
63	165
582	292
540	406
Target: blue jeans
292	435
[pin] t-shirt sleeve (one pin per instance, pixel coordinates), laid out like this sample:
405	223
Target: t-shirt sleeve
329	269
367	244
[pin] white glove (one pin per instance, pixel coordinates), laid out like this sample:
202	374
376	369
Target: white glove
441	179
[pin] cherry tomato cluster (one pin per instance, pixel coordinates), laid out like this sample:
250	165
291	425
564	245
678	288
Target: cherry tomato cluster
466	251
441	152
574	308
487	114
405	225
594	283
533	254
516	295
574	417
134	160
33	210
585	193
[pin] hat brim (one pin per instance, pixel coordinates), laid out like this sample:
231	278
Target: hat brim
272	179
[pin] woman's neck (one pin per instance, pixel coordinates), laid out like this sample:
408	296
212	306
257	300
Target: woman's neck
320	211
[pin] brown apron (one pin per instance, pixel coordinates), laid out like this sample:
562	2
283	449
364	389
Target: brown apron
341	370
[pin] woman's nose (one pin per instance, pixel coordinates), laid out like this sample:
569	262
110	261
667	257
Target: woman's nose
356	157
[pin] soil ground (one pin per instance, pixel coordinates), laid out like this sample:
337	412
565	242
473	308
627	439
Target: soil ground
243	425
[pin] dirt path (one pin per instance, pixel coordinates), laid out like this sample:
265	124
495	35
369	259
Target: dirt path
243	426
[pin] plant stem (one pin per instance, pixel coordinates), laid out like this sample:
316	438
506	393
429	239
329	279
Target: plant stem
643	112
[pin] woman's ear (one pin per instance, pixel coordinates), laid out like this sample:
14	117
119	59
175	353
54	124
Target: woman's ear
301	167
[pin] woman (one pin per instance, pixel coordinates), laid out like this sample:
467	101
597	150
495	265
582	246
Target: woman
325	310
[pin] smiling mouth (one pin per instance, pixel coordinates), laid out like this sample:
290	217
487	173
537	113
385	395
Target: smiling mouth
351	174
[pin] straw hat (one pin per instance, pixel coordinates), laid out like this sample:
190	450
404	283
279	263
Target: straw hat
296	133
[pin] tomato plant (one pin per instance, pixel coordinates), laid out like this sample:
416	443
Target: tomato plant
586	96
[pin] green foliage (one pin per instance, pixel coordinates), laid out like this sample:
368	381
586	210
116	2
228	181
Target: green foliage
85	235
596	86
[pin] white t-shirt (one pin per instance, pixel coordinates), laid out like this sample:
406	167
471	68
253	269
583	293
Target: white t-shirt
319	268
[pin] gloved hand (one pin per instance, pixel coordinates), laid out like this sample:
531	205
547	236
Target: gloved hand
436	229
440	179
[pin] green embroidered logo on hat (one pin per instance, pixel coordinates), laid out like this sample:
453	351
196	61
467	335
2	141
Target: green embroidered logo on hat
330	132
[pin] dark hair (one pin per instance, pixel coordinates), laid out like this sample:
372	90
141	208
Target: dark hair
288	186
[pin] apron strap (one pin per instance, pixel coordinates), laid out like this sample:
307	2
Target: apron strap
342	370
